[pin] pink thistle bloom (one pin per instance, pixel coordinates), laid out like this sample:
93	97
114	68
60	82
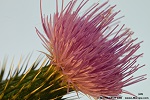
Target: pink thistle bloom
91	50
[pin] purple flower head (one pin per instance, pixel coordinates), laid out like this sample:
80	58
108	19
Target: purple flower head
94	53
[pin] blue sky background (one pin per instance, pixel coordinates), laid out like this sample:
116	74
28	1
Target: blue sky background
18	19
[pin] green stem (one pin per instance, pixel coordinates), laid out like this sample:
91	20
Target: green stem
42	84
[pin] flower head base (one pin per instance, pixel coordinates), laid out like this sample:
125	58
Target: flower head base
91	50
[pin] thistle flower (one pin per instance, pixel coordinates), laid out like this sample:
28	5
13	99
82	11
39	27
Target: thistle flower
91	50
